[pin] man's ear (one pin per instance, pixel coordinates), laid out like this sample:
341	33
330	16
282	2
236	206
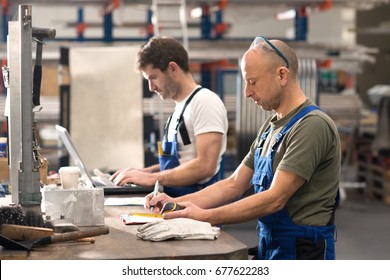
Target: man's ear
173	67
284	75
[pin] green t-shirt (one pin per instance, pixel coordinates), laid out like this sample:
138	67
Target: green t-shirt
311	149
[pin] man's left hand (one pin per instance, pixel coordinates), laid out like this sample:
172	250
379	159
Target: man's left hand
135	176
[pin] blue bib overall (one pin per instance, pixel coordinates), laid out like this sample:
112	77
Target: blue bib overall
278	233
170	157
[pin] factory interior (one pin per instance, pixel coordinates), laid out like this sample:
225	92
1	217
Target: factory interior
115	122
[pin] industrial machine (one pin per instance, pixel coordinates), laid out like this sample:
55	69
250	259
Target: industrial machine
23	83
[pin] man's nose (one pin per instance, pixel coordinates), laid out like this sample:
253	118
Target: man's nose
152	87
247	91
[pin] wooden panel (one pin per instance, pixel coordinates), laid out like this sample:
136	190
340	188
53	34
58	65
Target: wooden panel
49	85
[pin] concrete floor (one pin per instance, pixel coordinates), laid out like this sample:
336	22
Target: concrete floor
363	229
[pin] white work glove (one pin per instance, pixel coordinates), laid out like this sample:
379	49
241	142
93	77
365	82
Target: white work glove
180	228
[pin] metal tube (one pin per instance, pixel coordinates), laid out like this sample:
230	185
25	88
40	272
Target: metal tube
42	33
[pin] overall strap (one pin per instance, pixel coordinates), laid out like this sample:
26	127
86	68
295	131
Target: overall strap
286	129
185	106
291	123
263	137
298	116
182	112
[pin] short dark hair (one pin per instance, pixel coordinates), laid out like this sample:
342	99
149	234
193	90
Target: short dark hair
160	51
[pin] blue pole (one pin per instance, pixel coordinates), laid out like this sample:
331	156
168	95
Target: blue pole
80	22
301	25
206	75
218	24
149	24
108	24
206	22
5	23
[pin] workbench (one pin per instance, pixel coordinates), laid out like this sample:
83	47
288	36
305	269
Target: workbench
122	243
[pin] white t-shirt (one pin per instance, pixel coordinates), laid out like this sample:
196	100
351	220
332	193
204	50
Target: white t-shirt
205	113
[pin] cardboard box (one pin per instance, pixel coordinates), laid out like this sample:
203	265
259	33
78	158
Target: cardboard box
82	207
4	170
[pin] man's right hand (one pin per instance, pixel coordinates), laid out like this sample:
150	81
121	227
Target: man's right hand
157	201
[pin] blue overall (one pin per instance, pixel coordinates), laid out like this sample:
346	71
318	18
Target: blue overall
170	157
278	233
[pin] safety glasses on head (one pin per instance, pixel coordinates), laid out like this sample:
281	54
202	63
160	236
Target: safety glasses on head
259	41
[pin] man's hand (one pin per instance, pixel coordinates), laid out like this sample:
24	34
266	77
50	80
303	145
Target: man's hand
157	201
113	176
135	176
190	211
